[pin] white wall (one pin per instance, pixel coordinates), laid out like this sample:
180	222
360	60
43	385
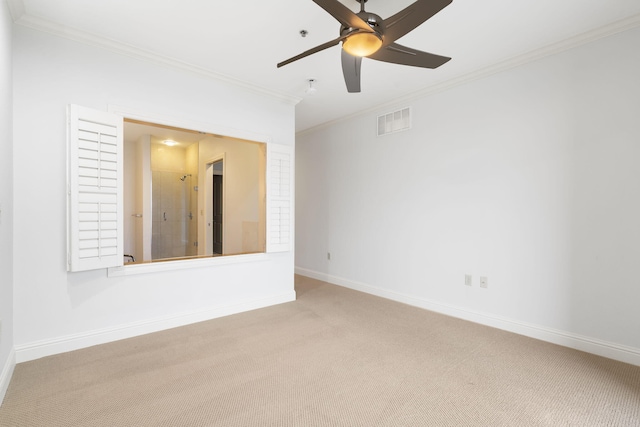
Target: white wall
56	310
529	177
6	200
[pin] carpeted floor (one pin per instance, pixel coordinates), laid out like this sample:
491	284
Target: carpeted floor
334	357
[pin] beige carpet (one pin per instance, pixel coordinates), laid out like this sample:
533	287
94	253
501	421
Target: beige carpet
334	357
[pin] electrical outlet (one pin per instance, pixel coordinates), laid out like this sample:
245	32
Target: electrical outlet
468	279
329	256
484	283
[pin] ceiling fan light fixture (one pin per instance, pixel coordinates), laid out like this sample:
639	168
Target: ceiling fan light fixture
362	44
366	34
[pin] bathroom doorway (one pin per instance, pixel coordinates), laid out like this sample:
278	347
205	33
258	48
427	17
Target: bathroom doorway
215	207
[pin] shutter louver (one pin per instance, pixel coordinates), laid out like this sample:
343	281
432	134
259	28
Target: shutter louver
280	198
95	190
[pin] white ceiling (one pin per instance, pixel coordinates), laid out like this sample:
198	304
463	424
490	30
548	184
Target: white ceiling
244	40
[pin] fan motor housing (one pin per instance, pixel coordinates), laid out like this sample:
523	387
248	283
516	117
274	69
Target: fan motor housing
374	21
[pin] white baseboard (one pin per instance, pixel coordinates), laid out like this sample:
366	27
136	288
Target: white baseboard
36	350
567	339
6	374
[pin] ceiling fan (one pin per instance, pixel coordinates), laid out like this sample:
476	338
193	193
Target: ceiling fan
365	34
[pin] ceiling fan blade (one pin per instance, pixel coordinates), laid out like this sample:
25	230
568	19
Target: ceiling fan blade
351	71
312	51
343	14
410	17
399	54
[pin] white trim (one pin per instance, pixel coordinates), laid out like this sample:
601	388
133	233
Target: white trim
182	264
38	349
208	205
16	8
507	64
6	374
84	37
567	339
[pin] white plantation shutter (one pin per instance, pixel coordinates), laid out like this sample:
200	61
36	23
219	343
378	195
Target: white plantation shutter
95	229
279	198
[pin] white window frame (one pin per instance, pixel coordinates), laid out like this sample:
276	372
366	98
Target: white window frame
284	198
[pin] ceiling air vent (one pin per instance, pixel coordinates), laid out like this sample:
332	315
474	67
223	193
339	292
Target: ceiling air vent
394	122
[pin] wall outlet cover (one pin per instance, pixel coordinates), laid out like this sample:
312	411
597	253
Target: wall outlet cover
484	283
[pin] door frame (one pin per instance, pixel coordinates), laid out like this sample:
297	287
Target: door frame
208	204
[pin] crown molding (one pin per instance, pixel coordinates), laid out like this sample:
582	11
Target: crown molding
84	37
16	9
516	61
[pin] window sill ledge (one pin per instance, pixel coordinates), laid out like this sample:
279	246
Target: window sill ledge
182	264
